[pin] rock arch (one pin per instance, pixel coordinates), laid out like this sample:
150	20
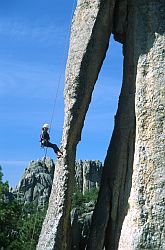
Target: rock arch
139	25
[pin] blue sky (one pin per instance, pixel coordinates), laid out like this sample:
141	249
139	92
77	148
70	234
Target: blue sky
33	42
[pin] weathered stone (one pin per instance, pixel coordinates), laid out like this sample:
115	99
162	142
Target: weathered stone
36	183
120	20
140	26
88	174
85	221
120	156
144	225
75	230
92	23
80	227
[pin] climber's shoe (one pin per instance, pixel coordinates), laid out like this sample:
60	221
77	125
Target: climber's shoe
59	154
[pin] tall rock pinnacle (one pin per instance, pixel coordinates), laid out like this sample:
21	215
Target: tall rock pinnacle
90	33
129	213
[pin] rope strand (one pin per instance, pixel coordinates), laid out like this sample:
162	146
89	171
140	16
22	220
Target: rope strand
54	105
61	63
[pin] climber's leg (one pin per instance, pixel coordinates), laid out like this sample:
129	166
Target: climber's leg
54	147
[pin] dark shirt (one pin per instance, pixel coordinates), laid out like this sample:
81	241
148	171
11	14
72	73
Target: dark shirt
45	136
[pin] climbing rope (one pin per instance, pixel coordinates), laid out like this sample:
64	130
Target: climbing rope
61	63
55	101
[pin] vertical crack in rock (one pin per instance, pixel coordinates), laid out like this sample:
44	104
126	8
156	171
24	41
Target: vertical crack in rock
90	34
116	224
144	225
144	66
112	201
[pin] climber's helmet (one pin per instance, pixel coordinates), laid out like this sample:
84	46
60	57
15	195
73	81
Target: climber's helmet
46	126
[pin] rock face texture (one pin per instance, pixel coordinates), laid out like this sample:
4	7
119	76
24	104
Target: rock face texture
139	128
36	182
141	96
80	227
88	174
92	23
144	225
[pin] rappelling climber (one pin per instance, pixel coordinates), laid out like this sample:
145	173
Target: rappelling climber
45	140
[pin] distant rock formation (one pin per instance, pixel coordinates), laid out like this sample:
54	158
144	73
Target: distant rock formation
36	182
88	174
80	227
139	128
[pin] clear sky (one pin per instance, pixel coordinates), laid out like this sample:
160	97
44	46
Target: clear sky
33	40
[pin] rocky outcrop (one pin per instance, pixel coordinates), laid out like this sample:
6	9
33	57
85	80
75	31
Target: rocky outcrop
36	182
80	226
144	225
88	174
117	172
75	230
92	23
139	25
142	93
